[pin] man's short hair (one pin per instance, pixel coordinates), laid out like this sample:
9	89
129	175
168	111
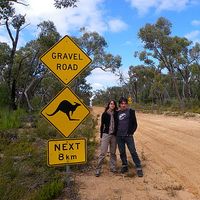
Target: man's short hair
123	99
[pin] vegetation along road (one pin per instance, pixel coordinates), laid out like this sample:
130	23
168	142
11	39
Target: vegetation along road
170	153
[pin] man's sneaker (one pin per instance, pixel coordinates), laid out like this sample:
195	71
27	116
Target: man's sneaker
124	169
139	173
97	173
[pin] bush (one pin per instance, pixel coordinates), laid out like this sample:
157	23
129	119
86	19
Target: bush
49	191
10	119
4	95
45	130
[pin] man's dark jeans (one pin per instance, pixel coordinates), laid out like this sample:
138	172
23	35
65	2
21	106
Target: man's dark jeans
129	141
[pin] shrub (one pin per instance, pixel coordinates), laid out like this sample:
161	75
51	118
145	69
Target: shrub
49	191
10	119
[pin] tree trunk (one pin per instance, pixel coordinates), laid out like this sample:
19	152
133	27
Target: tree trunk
181	103
175	84
13	95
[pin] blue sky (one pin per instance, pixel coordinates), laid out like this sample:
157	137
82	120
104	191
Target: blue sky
117	20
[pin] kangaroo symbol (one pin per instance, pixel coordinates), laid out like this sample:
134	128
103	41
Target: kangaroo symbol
66	107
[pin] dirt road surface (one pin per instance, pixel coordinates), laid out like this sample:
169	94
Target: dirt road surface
169	148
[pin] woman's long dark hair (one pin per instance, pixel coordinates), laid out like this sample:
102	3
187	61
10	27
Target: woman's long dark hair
107	107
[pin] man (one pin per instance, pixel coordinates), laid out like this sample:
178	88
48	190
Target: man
127	125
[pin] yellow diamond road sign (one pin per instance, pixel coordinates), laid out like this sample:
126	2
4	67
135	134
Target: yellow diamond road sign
65	112
66	151
65	59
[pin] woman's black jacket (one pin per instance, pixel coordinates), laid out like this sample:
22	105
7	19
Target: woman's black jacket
105	123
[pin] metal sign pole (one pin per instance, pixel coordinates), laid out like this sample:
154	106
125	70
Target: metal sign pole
68	175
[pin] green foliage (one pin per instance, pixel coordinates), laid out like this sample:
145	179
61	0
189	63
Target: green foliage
10	119
102	97
45	130
171	53
49	190
4	95
23	170
24	173
87	130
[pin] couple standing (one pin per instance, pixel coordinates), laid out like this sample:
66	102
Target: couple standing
117	128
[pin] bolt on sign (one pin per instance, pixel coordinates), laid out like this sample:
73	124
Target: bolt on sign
65	59
65	112
66	151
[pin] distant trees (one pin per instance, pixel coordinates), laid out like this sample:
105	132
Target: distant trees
13	23
24	80
171	53
102	97
170	70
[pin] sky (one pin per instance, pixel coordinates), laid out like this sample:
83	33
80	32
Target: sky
118	21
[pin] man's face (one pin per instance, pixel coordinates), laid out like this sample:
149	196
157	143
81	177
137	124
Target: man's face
123	105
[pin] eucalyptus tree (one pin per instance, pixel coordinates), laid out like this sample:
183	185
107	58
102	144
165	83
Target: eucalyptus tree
102	97
164	51
14	23
65	3
95	47
141	80
30	70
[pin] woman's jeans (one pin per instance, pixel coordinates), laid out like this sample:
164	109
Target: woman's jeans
129	141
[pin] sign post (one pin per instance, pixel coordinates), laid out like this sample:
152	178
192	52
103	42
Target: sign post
66	60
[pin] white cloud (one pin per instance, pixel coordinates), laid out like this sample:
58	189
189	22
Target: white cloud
143	6
128	43
88	13
193	36
97	86
4	37
195	22
117	25
101	80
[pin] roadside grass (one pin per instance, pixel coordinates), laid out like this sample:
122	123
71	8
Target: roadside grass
173	109
10	119
24	173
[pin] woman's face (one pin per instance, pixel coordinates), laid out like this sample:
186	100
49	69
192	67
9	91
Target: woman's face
112	105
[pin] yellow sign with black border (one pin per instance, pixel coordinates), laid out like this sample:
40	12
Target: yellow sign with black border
65	59
65	112
67	151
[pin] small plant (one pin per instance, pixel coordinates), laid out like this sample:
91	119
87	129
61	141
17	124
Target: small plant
44	130
10	119
49	191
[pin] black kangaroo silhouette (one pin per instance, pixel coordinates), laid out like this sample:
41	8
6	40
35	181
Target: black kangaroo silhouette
66	107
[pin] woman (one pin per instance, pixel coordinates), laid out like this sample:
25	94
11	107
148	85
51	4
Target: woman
108	131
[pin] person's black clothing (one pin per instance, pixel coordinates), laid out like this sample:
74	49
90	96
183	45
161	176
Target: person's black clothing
125	137
105	123
127	123
132	126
